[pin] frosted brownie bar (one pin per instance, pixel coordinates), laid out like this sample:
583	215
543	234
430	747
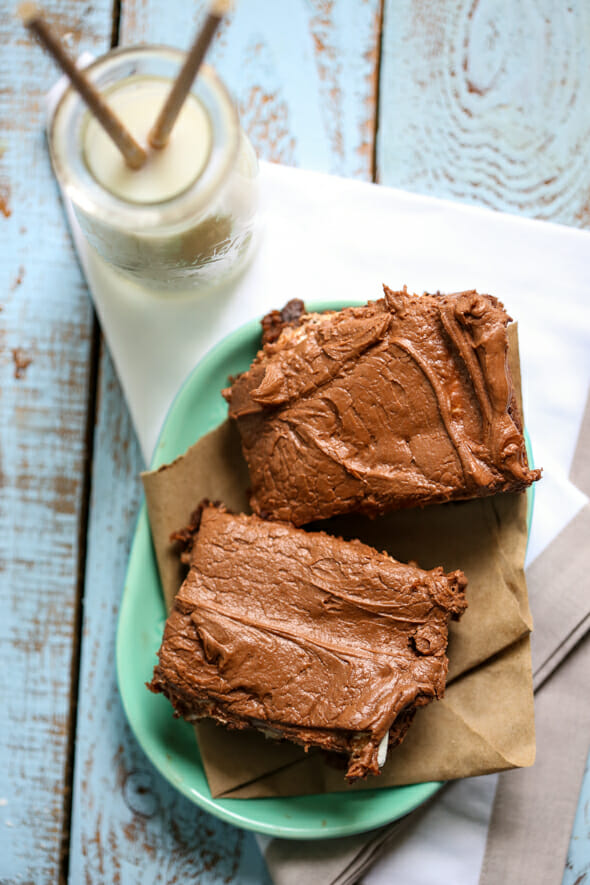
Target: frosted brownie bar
304	636
404	402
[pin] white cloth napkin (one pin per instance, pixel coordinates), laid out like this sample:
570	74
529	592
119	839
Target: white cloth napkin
335	239
330	238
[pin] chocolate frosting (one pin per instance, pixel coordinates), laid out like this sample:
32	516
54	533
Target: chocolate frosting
305	636
403	402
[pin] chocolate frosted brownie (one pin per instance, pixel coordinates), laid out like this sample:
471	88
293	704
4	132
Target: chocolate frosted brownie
404	402
305	636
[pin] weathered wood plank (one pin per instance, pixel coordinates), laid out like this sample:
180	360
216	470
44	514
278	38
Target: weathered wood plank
45	343
304	74
486	101
302	105
577	869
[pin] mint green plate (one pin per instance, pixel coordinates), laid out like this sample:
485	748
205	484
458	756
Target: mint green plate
170	743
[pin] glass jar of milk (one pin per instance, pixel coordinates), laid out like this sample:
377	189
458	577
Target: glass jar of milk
187	217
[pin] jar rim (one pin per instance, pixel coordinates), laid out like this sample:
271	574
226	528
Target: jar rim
88	195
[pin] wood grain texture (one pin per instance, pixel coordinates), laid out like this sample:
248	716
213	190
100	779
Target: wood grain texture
306	85
487	102
45	336
301	104
303	73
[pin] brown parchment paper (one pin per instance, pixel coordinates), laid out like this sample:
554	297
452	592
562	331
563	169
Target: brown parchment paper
485	722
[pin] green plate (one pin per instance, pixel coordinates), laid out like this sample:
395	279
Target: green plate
170	743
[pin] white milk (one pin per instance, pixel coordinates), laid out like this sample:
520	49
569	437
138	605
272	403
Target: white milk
186	220
167	172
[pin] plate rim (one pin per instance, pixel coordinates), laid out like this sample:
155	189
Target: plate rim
223	808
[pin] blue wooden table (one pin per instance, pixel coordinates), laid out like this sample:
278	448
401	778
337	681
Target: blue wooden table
484	102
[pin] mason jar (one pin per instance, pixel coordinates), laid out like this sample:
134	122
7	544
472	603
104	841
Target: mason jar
197	230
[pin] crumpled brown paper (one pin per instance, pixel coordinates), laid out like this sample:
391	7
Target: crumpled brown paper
484	723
